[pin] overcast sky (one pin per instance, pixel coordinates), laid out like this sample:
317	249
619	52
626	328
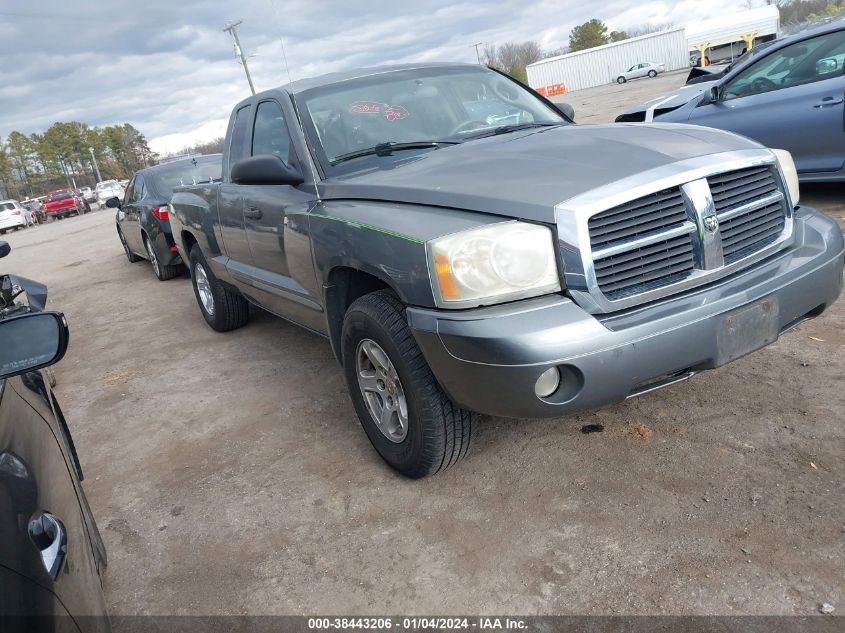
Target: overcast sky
166	67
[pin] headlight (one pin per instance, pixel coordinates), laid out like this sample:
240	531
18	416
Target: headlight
492	264
790	174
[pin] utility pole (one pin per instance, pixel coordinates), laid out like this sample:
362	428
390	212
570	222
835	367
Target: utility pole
477	54
96	166
233	30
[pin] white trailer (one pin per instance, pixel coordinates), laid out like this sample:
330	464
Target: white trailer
603	64
726	36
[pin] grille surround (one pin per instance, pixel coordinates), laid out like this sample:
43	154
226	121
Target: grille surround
601	249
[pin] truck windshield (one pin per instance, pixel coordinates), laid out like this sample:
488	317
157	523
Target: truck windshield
417	106
59	195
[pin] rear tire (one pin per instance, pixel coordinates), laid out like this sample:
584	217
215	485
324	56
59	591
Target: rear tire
162	272
621	80
652	73
436	433
132	257
222	308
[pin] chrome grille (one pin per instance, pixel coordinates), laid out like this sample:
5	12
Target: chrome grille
749	232
647	267
658	211
701	225
631	250
737	188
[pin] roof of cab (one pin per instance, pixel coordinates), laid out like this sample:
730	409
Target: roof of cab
300	85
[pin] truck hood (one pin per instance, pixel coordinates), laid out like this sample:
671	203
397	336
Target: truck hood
525	174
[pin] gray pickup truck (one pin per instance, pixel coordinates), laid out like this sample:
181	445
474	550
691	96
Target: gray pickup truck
468	250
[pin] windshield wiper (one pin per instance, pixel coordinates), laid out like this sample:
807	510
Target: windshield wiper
386	149
507	129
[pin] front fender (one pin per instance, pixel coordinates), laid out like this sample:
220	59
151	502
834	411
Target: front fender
387	241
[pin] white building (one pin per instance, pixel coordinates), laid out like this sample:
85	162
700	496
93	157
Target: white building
603	64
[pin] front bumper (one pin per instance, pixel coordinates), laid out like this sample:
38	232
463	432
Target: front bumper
488	359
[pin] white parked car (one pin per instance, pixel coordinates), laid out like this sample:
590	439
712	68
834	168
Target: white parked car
645	69
88	194
13	215
108	189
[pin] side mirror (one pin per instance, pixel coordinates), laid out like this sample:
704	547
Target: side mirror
711	95
5	249
31	341
826	65
113	203
265	169
567	110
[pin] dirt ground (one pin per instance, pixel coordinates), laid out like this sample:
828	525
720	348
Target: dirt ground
229	474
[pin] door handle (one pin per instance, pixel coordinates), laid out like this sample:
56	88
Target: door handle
253	213
49	536
828	101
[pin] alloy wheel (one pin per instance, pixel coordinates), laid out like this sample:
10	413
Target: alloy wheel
204	289
382	390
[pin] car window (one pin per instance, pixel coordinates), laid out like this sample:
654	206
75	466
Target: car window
138	189
240	132
59	195
6	206
130	191
195	171
804	62
270	133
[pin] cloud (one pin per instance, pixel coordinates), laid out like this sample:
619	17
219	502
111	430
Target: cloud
170	70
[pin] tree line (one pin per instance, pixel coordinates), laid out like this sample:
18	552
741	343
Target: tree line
60	157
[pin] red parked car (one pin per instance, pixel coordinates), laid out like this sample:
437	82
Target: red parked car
63	203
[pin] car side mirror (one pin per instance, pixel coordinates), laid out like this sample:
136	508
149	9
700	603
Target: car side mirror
826	65
711	95
5	249
566	110
265	169
113	203
31	341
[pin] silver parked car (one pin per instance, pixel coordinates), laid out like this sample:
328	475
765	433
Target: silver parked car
645	69
14	216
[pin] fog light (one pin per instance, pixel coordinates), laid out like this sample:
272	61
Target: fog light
547	383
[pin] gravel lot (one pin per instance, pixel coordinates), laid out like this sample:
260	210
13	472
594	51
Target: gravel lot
229	474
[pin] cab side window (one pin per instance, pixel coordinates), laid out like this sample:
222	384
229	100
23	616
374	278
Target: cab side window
270	133
805	62
240	132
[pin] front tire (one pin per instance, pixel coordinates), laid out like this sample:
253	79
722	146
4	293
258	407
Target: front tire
406	415
223	309
621	80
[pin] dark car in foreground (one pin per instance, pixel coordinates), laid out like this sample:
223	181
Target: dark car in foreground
142	218
789	95
51	555
461	266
